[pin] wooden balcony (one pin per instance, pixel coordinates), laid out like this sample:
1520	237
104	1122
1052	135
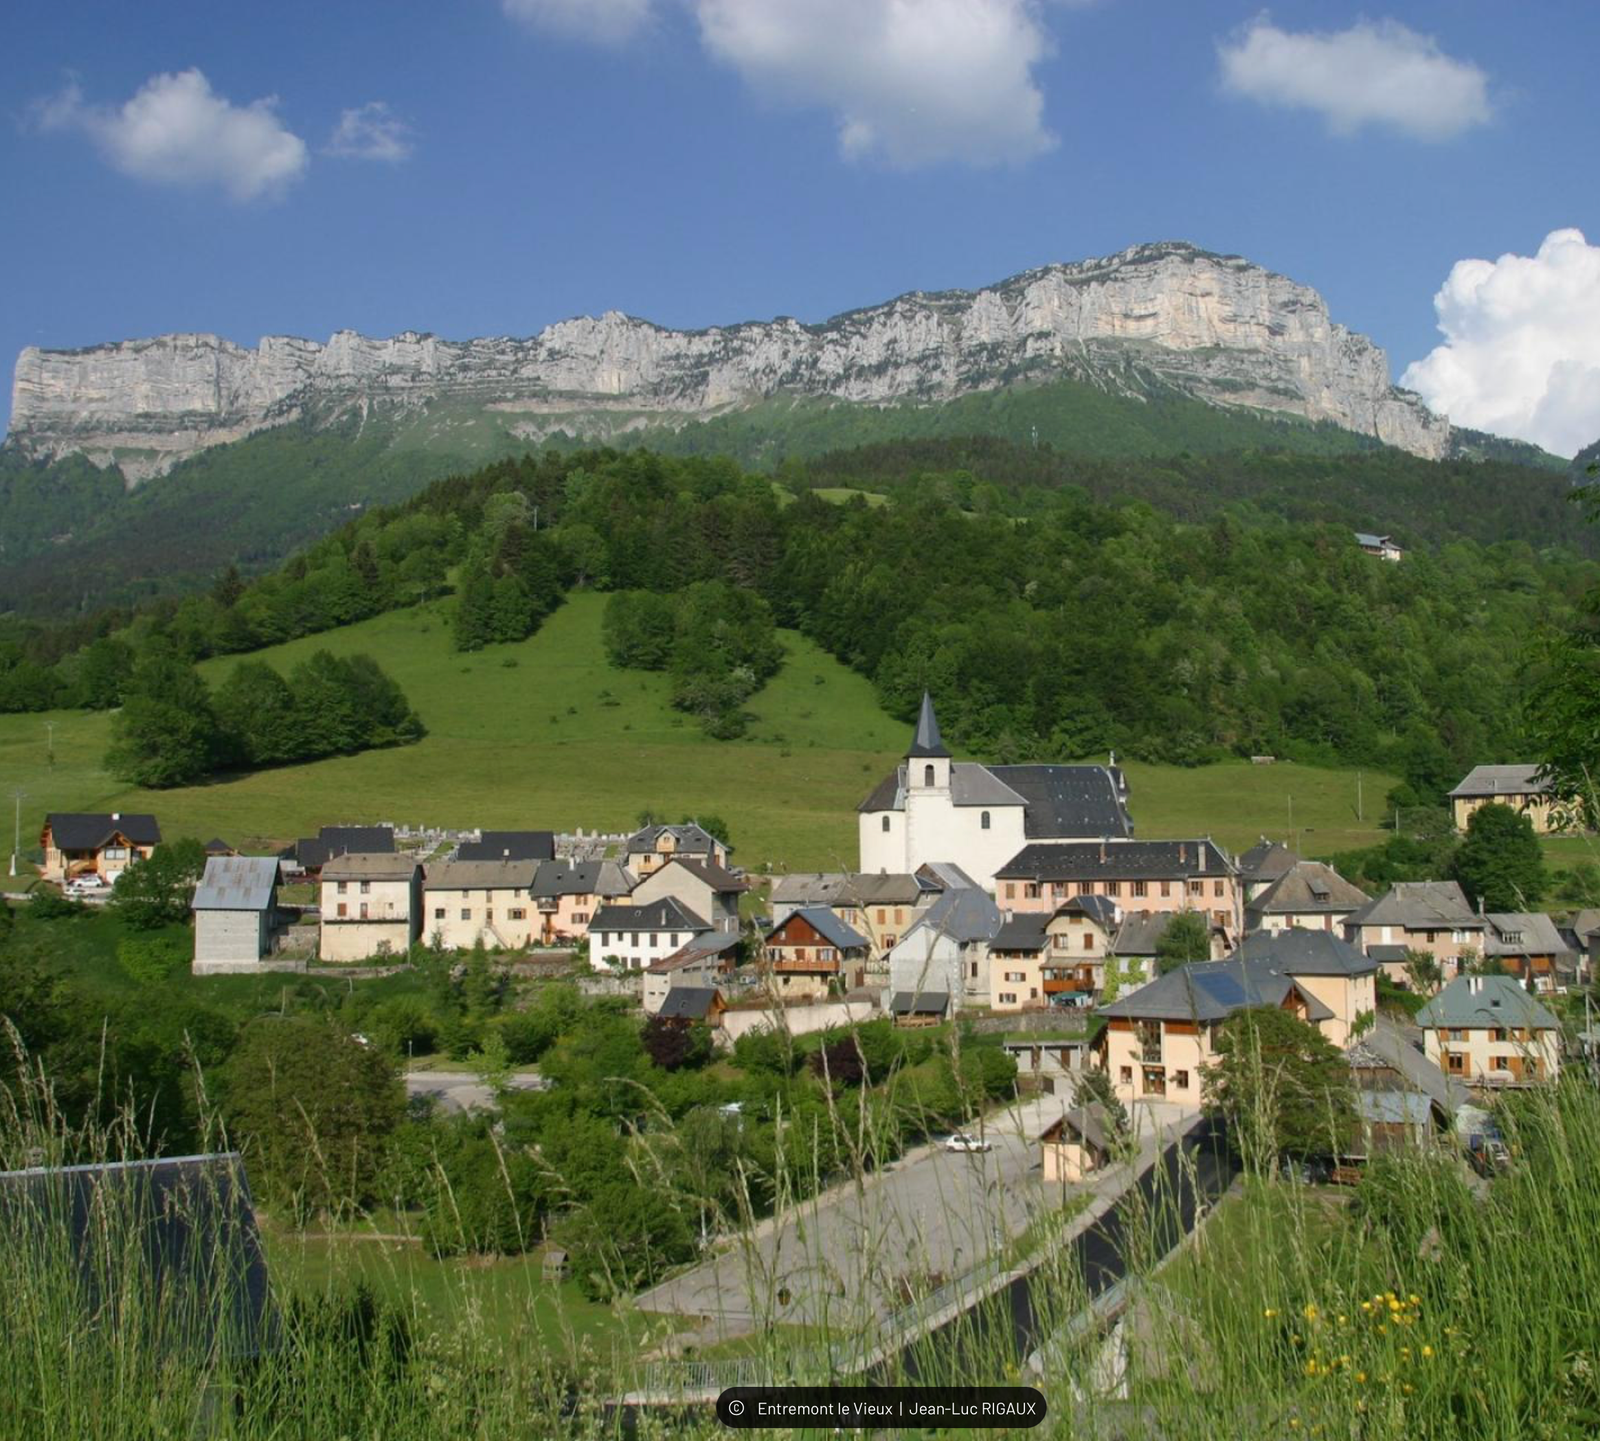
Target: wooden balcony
1067	985
811	966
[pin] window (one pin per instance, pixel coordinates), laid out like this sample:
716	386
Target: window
889	942
344	910
1016	975
672	940
517	914
1088	941
1216	888
366	888
927	775
438	913
1008	998
363	910
1085	888
827	953
881	917
1031	891
580	918
1166	888
983	820
120	853
1127	1075
1113	888
1500	1063
899	914
1011	890
1197	888
800	953
342	887
635	939
1141	888
1498	1034
1180	1080
466	913
886	823
1454	1061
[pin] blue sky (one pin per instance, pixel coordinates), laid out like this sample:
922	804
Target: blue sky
507	163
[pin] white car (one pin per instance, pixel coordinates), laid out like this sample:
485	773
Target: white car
85	886
961	1141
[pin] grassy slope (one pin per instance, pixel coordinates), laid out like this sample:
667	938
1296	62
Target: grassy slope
536	743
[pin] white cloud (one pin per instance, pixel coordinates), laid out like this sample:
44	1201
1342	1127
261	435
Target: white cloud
911	81
178	131
1522	345
371	132
1374	73
609	21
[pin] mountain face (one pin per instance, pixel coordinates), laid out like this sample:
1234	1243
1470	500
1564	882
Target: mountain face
1167	316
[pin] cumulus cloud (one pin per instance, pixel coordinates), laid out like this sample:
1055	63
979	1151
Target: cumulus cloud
1522	345
177	131
609	21
371	132
1374	73
909	81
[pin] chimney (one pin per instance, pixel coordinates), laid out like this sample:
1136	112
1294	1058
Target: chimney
1183	853
1102	851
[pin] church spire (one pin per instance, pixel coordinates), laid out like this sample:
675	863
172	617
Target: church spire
927	741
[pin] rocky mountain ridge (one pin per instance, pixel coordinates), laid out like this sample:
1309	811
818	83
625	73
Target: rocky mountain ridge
1218	328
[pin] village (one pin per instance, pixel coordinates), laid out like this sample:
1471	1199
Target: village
1015	898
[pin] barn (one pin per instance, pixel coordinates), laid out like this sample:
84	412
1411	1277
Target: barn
235	913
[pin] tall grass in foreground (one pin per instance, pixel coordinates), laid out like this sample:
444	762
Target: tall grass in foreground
1419	1306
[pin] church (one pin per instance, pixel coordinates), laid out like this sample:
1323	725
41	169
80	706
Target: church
935	809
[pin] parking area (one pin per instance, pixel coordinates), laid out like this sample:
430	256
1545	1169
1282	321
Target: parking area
848	1255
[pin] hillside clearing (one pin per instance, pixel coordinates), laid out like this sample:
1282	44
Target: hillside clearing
544	732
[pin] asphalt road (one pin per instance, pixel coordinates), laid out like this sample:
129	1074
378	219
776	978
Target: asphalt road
463	1091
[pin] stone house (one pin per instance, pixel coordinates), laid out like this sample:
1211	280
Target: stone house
1488	1031
812	953
1517	786
465	902
371	905
705	888
633	938
1180	875
705	961
235	914
103	845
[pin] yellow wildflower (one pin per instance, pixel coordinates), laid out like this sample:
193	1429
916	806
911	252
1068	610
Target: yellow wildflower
1269	1313
1311	1312
1361	1376
1427	1350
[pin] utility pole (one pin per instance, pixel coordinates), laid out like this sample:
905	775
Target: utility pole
50	743
1359	815
16	846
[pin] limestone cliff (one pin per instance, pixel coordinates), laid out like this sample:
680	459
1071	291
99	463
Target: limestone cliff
1215	327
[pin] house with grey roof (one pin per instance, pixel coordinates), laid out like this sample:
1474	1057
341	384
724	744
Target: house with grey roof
509	846
707	889
468	901
1160	1039
78	844
567	894
1262	864
235	914
1487	1031
1178	875
632	937
1431	917
654	846
1530	944
1519	786
1081	1140
1384	547
1308	894
310	854
370	906
705	961
1386	1058
933	808
811	953
685	1005
944	952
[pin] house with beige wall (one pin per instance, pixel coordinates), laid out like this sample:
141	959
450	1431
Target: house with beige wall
1529	944
1308	895
705	961
1160	1039
370	906
1517	786
705	888
99	844
651	848
1192	875
465	902
1488	1031
1079	1142
1431	917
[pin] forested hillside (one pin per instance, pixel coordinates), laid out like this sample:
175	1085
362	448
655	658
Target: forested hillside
1081	626
75	540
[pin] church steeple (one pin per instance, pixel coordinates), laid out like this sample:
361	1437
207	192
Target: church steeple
927	741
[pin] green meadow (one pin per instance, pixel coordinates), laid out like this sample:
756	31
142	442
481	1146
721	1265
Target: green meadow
545	733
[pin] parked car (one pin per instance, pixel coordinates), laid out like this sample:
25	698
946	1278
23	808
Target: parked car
86	886
961	1141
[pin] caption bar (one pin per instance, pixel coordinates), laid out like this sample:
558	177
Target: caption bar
747	1408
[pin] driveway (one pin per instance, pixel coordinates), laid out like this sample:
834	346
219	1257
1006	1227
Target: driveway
462	1090
841	1256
